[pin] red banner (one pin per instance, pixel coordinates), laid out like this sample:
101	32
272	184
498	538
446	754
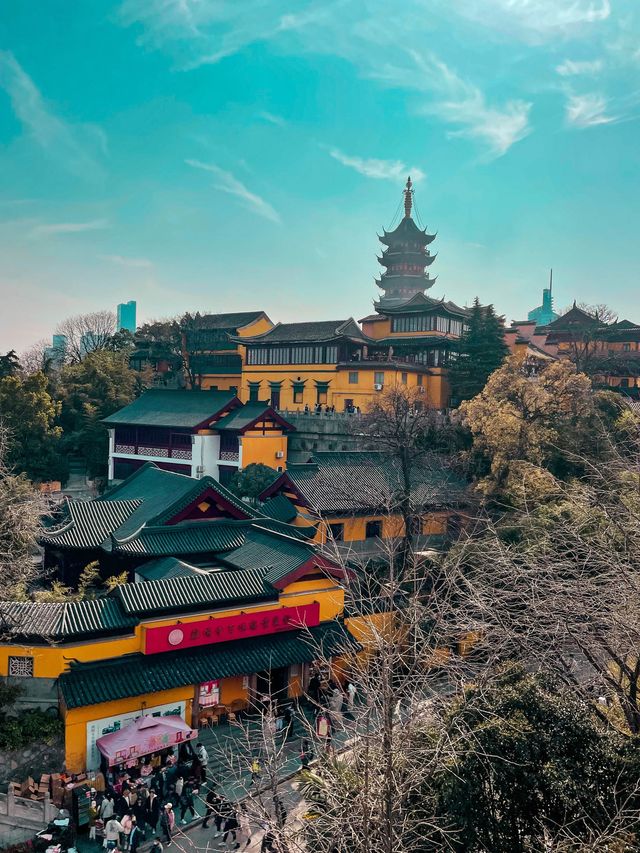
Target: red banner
185	635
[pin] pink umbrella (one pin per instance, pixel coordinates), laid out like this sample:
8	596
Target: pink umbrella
143	736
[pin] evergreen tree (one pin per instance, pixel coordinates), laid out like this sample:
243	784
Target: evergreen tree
481	350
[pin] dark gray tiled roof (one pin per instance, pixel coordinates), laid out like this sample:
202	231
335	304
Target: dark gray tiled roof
64	620
355	481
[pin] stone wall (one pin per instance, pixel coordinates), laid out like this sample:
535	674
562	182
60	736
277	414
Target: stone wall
34	760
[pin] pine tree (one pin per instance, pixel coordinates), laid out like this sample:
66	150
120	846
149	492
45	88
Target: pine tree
482	350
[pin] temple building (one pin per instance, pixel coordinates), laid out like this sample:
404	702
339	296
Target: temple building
350	498
338	363
229	604
608	352
197	433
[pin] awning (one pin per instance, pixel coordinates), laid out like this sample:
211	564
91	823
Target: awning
143	736
138	674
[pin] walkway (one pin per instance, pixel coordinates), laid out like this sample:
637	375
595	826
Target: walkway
231	749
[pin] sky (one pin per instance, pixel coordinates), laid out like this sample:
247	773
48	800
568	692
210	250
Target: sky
224	155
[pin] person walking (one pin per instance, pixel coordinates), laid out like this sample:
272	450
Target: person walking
212	802
112	832
223	812
203	758
94	815
127	826
268	840
186	803
351	696
156	847
152	810
137	836
107	808
245	829
167	822
231	826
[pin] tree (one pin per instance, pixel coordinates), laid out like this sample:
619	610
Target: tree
9	364
21	509
35	359
399	424
529	764
91	390
520	417
252	480
481	350
86	333
28	414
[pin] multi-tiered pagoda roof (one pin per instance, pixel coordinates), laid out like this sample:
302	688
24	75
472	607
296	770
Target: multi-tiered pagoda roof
406	258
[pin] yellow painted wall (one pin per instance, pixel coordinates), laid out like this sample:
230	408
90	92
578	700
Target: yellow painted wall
263	448
221	382
362	392
377	328
76	719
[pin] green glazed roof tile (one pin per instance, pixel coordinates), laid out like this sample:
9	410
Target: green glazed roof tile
137	674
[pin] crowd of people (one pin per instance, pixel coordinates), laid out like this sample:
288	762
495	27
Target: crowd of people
154	798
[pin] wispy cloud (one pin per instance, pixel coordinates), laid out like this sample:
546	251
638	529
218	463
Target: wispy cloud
133	263
458	102
51	229
534	21
393	170
72	146
569	68
588	110
271	118
227	183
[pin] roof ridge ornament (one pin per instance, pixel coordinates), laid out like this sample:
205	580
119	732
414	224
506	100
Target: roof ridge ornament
408	198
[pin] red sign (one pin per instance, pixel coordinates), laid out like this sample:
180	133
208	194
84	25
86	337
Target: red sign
185	635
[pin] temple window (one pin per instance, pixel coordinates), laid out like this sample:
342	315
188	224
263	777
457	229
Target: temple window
373	529
353	377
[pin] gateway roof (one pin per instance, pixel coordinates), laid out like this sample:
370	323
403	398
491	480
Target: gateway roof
169	408
133	675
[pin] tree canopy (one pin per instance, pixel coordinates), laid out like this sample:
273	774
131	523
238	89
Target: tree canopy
481	350
252	480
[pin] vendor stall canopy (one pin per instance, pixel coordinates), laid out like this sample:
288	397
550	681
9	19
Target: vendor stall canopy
144	736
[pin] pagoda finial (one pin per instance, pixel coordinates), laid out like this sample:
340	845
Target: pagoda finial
408	193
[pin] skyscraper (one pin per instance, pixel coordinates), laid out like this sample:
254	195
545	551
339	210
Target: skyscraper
127	316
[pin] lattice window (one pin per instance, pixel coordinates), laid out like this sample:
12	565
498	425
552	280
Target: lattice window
21	667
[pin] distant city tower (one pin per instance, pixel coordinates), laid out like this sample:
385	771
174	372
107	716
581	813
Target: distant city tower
544	314
405	257
127	316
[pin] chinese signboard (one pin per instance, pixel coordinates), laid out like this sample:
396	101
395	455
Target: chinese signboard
185	635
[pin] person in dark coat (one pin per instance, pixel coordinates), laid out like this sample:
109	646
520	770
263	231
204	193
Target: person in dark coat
212	807
268	840
136	836
231	825
153	810
186	802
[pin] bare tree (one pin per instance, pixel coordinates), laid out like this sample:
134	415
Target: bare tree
85	333
557	585
21	510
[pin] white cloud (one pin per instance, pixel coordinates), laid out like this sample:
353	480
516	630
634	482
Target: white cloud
227	183
133	263
53	228
570	68
588	110
70	145
459	102
382	169
271	118
534	21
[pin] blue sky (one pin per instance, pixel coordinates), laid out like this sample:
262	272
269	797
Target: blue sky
227	155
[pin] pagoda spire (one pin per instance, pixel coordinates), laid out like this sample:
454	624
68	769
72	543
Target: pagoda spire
406	256
408	198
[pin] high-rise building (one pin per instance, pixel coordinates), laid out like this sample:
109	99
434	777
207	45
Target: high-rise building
127	316
57	351
544	314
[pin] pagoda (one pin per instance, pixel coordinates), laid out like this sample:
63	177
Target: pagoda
405	259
